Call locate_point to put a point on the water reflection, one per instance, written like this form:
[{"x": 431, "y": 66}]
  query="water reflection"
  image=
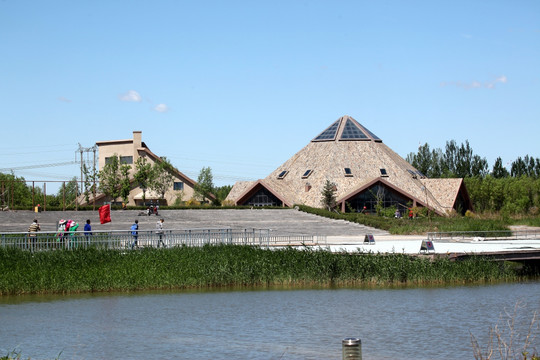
[{"x": 405, "y": 323}]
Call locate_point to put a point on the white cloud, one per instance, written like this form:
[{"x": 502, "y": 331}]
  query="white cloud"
[
  {"x": 161, "y": 108},
  {"x": 501, "y": 79},
  {"x": 131, "y": 96},
  {"x": 476, "y": 84},
  {"x": 63, "y": 99}
]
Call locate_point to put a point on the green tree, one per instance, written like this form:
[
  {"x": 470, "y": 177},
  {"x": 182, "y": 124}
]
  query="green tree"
[
  {"x": 125, "y": 182},
  {"x": 329, "y": 195},
  {"x": 13, "y": 190},
  {"x": 90, "y": 179},
  {"x": 423, "y": 160},
  {"x": 455, "y": 161},
  {"x": 68, "y": 192},
  {"x": 109, "y": 177},
  {"x": 143, "y": 175},
  {"x": 519, "y": 168},
  {"x": 205, "y": 184},
  {"x": 161, "y": 177},
  {"x": 499, "y": 171},
  {"x": 221, "y": 192}
]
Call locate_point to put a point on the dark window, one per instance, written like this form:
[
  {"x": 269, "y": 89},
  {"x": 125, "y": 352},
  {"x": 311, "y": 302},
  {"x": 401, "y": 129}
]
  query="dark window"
[
  {"x": 264, "y": 197},
  {"x": 178, "y": 185},
  {"x": 126, "y": 159},
  {"x": 348, "y": 172},
  {"x": 378, "y": 194},
  {"x": 282, "y": 174},
  {"x": 383, "y": 172},
  {"x": 306, "y": 174}
]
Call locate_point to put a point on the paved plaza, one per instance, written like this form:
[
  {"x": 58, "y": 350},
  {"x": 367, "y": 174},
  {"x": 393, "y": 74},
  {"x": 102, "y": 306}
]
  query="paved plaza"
[{"x": 340, "y": 235}]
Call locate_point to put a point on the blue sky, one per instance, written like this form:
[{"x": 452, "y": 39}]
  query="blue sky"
[{"x": 241, "y": 86}]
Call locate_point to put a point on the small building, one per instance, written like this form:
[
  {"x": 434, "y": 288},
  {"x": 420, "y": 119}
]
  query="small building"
[
  {"x": 129, "y": 151},
  {"x": 364, "y": 171}
]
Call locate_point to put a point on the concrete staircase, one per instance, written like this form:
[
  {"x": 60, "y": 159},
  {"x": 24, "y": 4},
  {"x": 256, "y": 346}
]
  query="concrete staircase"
[{"x": 280, "y": 221}]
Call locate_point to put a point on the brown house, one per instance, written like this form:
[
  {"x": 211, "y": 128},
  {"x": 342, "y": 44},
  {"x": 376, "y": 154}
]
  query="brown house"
[
  {"x": 364, "y": 171},
  {"x": 129, "y": 151}
]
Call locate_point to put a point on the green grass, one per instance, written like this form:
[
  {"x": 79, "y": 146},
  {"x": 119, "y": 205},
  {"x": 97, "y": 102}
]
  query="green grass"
[
  {"x": 89, "y": 270},
  {"x": 419, "y": 225}
]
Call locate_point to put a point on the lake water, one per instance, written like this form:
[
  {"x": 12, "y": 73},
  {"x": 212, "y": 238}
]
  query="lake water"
[{"x": 397, "y": 323}]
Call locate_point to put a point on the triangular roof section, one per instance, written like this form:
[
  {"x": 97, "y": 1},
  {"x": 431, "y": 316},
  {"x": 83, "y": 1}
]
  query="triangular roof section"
[
  {"x": 255, "y": 186},
  {"x": 346, "y": 129}
]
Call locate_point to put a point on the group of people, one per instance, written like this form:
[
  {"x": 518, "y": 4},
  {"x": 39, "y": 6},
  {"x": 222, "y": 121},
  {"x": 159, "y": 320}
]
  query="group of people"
[
  {"x": 153, "y": 210},
  {"x": 135, "y": 233},
  {"x": 66, "y": 230}
]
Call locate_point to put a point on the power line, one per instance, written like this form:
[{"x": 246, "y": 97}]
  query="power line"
[{"x": 39, "y": 166}]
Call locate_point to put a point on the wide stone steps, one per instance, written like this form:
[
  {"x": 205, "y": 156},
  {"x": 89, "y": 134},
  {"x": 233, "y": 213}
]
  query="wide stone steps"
[{"x": 280, "y": 221}]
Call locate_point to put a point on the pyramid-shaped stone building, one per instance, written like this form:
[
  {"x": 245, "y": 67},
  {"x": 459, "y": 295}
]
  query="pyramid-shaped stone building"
[{"x": 364, "y": 171}]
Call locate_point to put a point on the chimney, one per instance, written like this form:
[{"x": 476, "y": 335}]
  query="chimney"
[
  {"x": 137, "y": 139},
  {"x": 308, "y": 187},
  {"x": 137, "y": 143}
]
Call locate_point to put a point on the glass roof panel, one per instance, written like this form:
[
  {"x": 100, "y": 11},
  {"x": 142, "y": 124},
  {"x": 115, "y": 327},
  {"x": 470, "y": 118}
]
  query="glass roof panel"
[
  {"x": 373, "y": 136},
  {"x": 352, "y": 132},
  {"x": 329, "y": 133}
]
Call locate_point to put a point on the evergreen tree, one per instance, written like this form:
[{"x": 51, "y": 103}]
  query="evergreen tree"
[{"x": 329, "y": 195}]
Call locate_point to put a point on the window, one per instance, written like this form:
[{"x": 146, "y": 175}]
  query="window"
[
  {"x": 413, "y": 174},
  {"x": 178, "y": 185},
  {"x": 283, "y": 174},
  {"x": 384, "y": 173},
  {"x": 306, "y": 174},
  {"x": 348, "y": 172},
  {"x": 126, "y": 159}
]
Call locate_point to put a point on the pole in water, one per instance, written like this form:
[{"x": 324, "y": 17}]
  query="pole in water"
[{"x": 352, "y": 349}]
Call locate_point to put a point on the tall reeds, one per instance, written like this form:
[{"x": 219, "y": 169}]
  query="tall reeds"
[{"x": 88, "y": 270}]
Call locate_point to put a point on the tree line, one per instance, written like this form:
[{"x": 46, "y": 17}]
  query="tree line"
[
  {"x": 514, "y": 191},
  {"x": 115, "y": 180}
]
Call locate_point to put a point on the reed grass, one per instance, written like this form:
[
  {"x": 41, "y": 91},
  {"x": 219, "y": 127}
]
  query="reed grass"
[{"x": 91, "y": 270}]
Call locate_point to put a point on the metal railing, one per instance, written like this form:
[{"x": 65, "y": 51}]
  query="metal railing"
[
  {"x": 484, "y": 235},
  {"x": 125, "y": 239}
]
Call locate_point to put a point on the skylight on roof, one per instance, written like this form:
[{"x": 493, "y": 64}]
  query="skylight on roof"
[
  {"x": 413, "y": 174},
  {"x": 383, "y": 172},
  {"x": 283, "y": 174},
  {"x": 352, "y": 132},
  {"x": 329, "y": 133},
  {"x": 307, "y": 173},
  {"x": 348, "y": 172}
]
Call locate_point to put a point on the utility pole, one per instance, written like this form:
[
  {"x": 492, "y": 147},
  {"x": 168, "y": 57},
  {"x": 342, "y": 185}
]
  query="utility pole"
[{"x": 82, "y": 150}]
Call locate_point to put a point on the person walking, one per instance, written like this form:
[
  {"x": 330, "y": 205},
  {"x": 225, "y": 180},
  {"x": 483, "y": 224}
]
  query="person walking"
[
  {"x": 135, "y": 234},
  {"x": 159, "y": 231},
  {"x": 87, "y": 231},
  {"x": 32, "y": 233}
]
